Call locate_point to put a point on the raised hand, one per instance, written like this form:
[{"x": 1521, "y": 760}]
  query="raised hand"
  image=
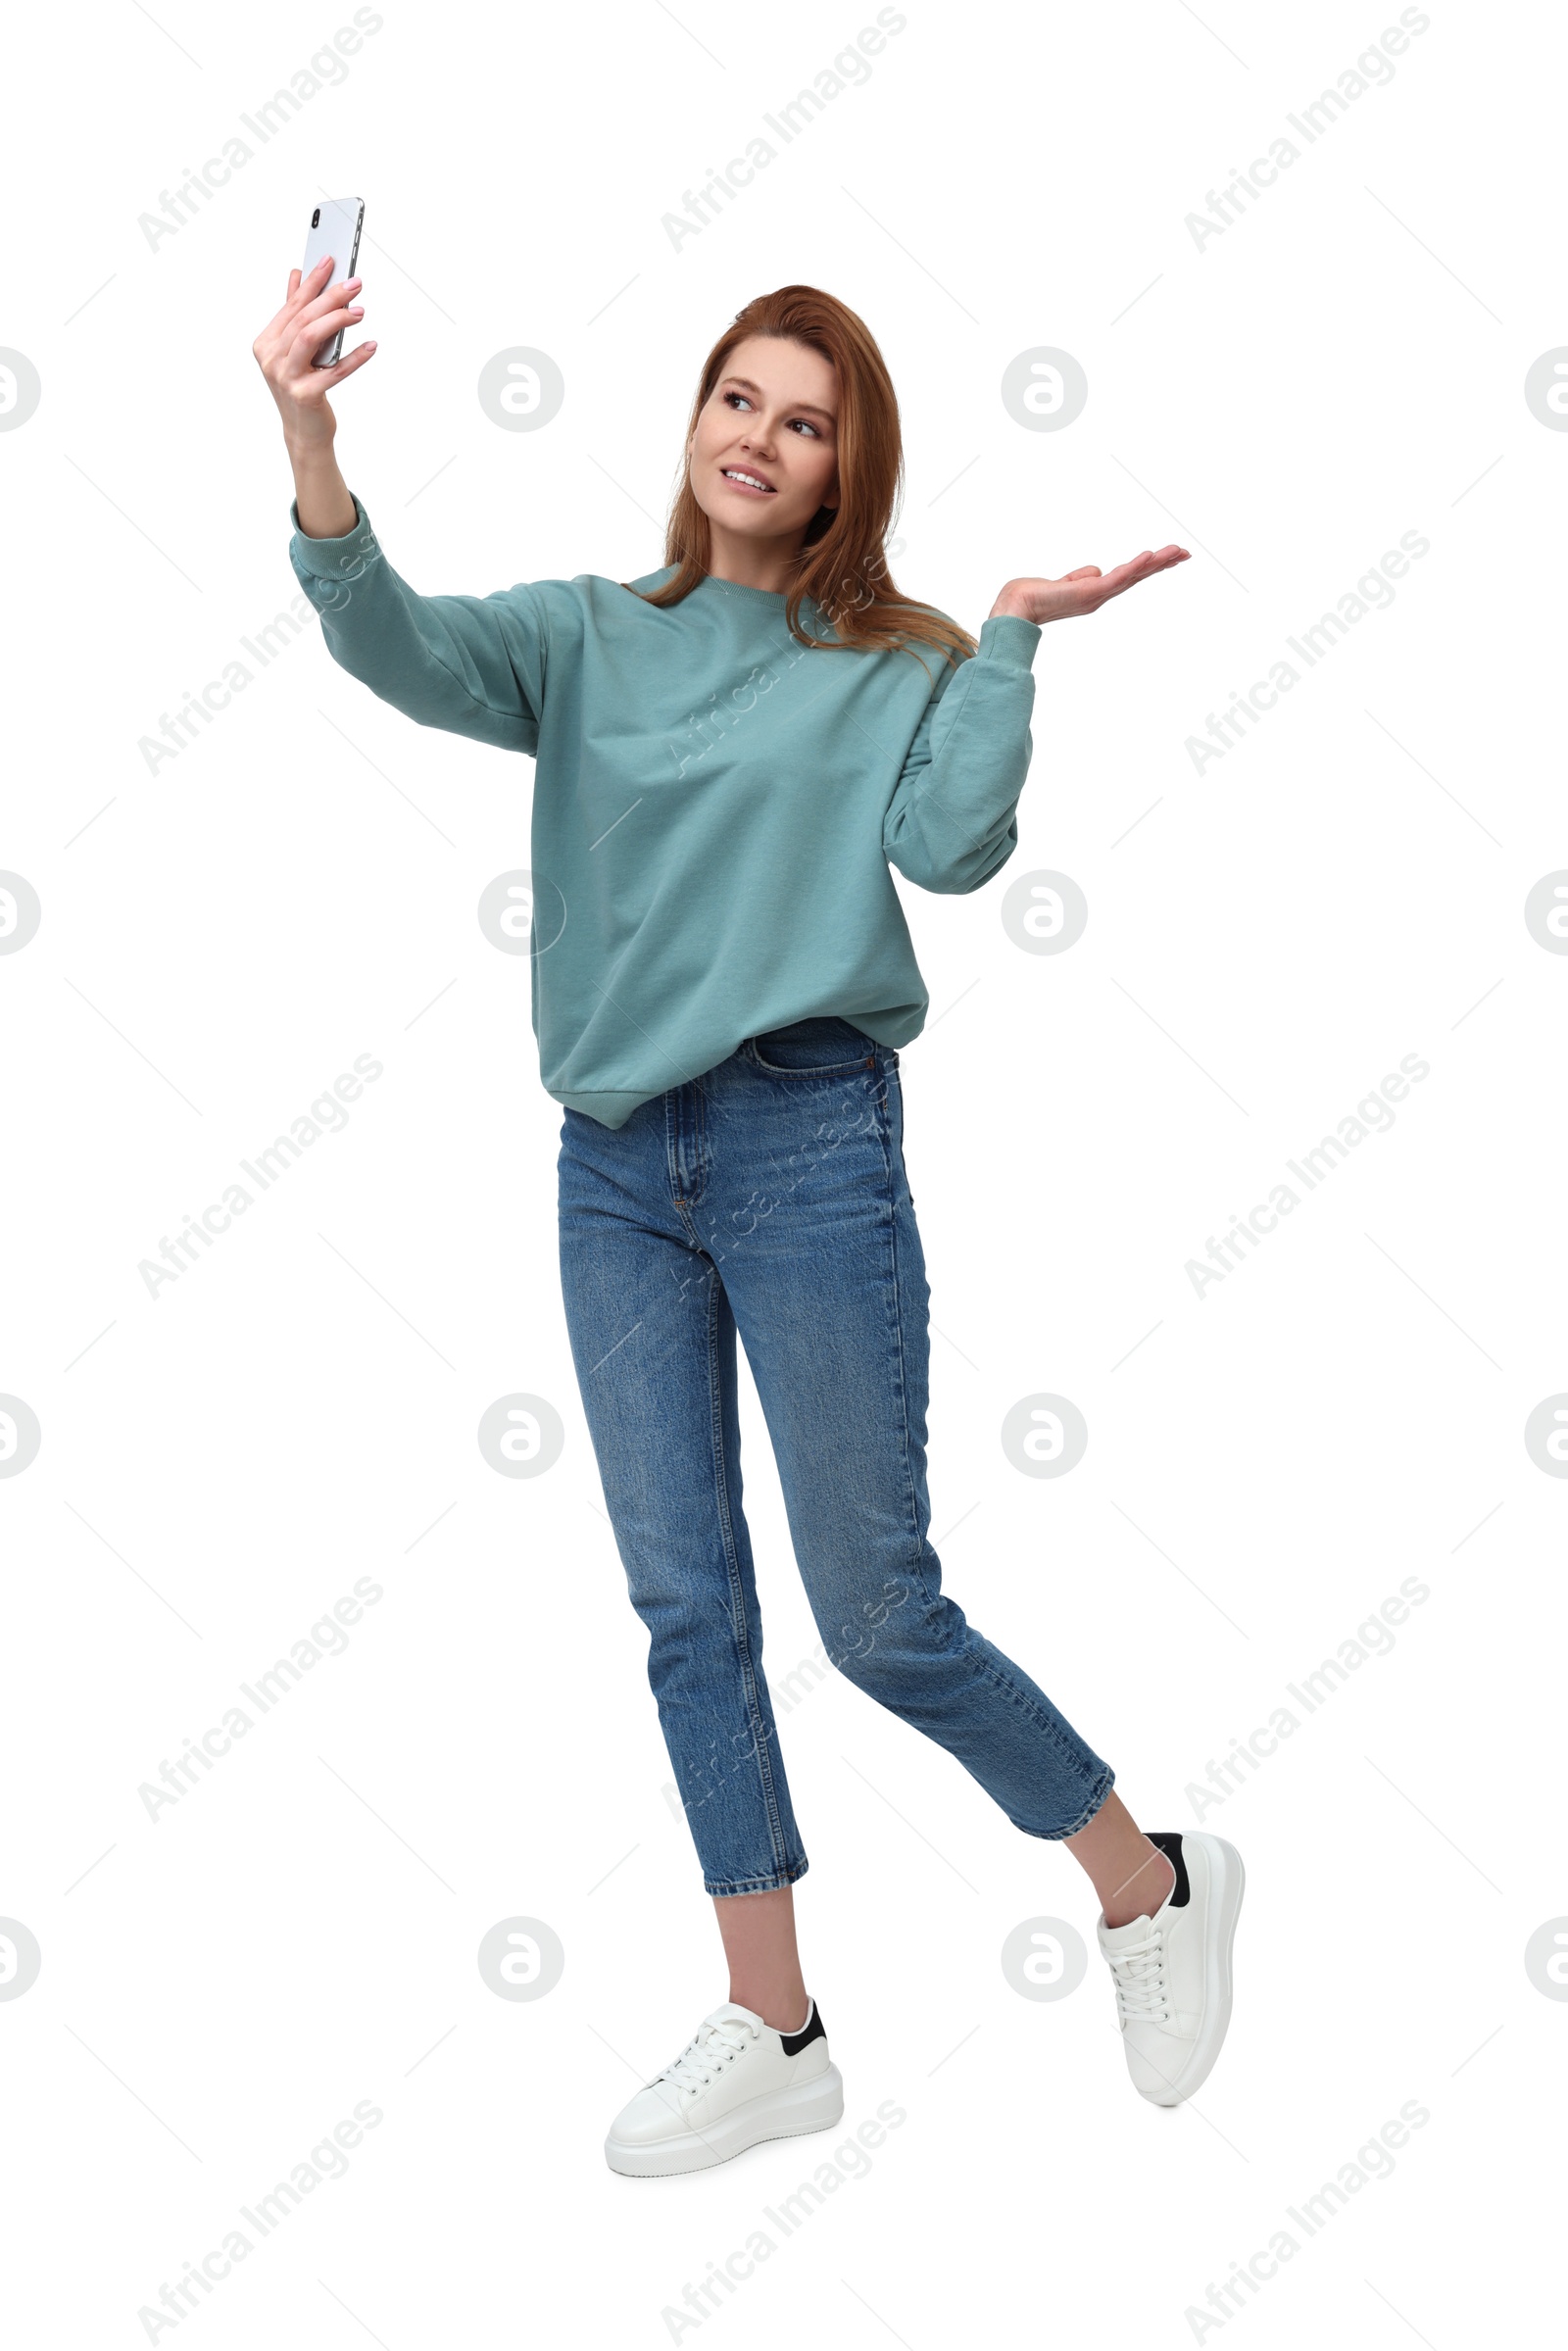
[
  {"x": 312, "y": 312},
  {"x": 1082, "y": 591}
]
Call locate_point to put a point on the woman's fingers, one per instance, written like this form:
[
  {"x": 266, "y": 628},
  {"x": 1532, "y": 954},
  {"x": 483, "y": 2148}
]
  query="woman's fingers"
[
  {"x": 296, "y": 304},
  {"x": 311, "y": 332},
  {"x": 347, "y": 364},
  {"x": 286, "y": 310},
  {"x": 329, "y": 298},
  {"x": 301, "y": 289},
  {"x": 1091, "y": 587},
  {"x": 1142, "y": 566},
  {"x": 312, "y": 312},
  {"x": 307, "y": 296}
]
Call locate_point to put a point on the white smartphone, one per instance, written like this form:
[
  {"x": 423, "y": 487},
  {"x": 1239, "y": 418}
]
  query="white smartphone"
[{"x": 335, "y": 229}]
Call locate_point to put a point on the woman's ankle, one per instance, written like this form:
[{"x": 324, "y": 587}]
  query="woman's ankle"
[
  {"x": 1142, "y": 1892},
  {"x": 782, "y": 2008}
]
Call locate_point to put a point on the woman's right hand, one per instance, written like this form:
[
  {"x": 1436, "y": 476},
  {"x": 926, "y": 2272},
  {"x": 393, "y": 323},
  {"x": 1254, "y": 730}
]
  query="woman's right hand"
[{"x": 312, "y": 312}]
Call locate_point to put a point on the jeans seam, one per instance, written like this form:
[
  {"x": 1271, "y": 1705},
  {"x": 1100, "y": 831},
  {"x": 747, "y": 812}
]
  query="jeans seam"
[
  {"x": 1002, "y": 1682},
  {"x": 1026, "y": 1707},
  {"x": 831, "y": 1069},
  {"x": 884, "y": 1133},
  {"x": 786, "y": 1875},
  {"x": 699, "y": 1141},
  {"x": 739, "y": 1631},
  {"x": 1103, "y": 1788}
]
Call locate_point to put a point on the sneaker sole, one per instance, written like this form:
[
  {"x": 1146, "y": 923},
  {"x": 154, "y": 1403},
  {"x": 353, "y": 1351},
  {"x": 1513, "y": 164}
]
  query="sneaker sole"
[
  {"x": 1227, "y": 1884},
  {"x": 805, "y": 2106}
]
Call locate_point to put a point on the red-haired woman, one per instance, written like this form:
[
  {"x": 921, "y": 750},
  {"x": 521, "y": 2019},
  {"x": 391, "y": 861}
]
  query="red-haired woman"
[{"x": 731, "y": 753}]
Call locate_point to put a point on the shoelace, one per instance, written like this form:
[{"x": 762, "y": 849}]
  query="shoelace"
[
  {"x": 703, "y": 2058},
  {"x": 1139, "y": 1970}
]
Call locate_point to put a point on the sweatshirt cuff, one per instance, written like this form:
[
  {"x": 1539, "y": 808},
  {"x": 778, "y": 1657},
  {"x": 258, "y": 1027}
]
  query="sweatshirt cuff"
[
  {"x": 1009, "y": 640},
  {"x": 329, "y": 558}
]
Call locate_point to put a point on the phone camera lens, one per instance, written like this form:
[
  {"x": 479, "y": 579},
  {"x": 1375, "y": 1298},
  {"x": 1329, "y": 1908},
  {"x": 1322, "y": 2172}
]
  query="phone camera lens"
[{"x": 316, "y": 217}]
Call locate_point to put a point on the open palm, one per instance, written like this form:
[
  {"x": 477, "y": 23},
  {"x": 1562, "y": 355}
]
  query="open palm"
[{"x": 1083, "y": 590}]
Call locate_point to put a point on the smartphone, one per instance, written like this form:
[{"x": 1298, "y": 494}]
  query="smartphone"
[{"x": 335, "y": 229}]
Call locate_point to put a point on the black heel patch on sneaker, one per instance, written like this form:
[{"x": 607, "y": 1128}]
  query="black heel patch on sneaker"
[
  {"x": 810, "y": 2031},
  {"x": 1169, "y": 1841}
]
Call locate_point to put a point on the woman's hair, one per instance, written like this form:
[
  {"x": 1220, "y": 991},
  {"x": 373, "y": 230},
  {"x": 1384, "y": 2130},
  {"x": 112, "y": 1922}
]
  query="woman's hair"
[{"x": 842, "y": 567}]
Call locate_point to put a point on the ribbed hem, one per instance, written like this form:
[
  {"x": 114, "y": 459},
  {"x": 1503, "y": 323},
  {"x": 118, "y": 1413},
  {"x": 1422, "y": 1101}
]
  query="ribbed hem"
[
  {"x": 1009, "y": 640},
  {"x": 324, "y": 559}
]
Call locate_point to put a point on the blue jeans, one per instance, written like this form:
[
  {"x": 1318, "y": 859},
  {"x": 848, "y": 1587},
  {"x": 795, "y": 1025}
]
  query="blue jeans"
[{"x": 769, "y": 1195}]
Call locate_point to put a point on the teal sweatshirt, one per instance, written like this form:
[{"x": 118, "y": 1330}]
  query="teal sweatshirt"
[{"x": 716, "y": 805}]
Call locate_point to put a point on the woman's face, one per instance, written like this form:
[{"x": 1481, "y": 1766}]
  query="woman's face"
[{"x": 772, "y": 416}]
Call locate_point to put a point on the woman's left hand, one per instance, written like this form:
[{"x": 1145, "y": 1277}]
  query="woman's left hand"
[{"x": 1081, "y": 591}]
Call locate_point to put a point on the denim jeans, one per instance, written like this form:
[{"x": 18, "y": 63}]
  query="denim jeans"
[{"x": 768, "y": 1197}]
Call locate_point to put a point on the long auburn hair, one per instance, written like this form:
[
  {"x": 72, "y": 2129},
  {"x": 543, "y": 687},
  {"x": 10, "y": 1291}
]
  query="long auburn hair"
[{"x": 840, "y": 566}]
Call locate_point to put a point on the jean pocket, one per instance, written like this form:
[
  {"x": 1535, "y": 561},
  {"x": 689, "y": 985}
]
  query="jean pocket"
[{"x": 823, "y": 1046}]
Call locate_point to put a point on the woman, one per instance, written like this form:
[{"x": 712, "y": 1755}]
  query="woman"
[{"x": 731, "y": 750}]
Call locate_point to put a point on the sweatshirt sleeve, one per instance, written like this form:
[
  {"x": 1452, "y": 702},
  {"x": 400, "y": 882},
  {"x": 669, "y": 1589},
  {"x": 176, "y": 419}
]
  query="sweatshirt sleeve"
[
  {"x": 473, "y": 665},
  {"x": 951, "y": 823}
]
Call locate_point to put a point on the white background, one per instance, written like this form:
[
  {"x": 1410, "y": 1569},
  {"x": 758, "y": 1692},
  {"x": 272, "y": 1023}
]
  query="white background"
[{"x": 1265, "y": 940}]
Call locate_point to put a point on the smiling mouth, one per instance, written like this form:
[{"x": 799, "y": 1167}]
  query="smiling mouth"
[{"x": 754, "y": 483}]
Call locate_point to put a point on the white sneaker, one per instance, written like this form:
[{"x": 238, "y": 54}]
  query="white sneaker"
[
  {"x": 737, "y": 2082},
  {"x": 1174, "y": 1971}
]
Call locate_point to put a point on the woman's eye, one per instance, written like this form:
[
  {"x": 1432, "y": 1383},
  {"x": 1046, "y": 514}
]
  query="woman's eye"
[{"x": 806, "y": 420}]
